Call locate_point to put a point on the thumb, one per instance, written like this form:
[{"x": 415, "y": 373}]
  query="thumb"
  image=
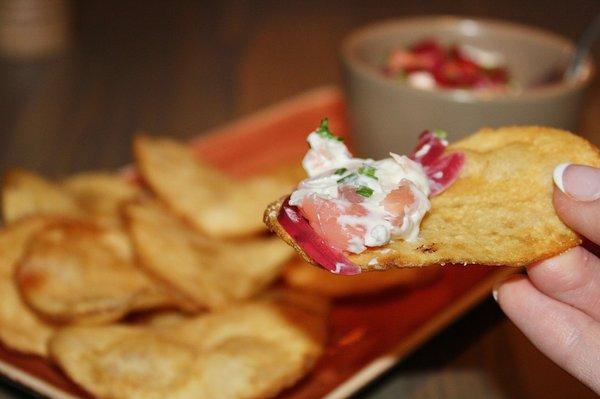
[{"x": 577, "y": 199}]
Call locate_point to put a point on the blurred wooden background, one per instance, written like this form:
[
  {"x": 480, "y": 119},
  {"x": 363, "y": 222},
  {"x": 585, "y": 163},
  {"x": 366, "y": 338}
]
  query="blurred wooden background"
[{"x": 181, "y": 67}]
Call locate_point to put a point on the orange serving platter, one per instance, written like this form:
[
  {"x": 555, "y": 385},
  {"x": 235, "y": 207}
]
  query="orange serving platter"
[{"x": 367, "y": 335}]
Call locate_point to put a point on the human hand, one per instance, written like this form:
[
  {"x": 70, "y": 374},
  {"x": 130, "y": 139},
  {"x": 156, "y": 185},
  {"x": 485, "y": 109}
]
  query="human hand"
[{"x": 557, "y": 305}]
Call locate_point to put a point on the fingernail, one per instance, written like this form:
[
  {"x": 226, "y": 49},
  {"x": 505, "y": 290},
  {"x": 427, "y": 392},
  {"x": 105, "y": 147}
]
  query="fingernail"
[
  {"x": 497, "y": 285},
  {"x": 582, "y": 183}
]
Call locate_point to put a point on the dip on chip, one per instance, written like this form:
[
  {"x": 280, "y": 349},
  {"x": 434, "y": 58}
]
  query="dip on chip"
[
  {"x": 497, "y": 211},
  {"x": 253, "y": 350}
]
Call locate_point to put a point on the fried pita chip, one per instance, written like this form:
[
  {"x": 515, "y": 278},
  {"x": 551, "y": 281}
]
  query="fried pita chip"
[
  {"x": 73, "y": 272},
  {"x": 25, "y": 193},
  {"x": 160, "y": 318},
  {"x": 211, "y": 272},
  {"x": 91, "y": 196},
  {"x": 210, "y": 200},
  {"x": 301, "y": 275},
  {"x": 20, "y": 328},
  {"x": 101, "y": 194},
  {"x": 498, "y": 212},
  {"x": 250, "y": 351}
]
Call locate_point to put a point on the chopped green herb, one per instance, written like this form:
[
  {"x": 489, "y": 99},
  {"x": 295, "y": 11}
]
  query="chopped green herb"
[
  {"x": 364, "y": 191},
  {"x": 346, "y": 178},
  {"x": 323, "y": 131},
  {"x": 368, "y": 170},
  {"x": 341, "y": 171},
  {"x": 440, "y": 134}
]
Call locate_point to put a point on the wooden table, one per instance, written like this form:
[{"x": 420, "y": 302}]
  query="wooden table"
[{"x": 181, "y": 67}]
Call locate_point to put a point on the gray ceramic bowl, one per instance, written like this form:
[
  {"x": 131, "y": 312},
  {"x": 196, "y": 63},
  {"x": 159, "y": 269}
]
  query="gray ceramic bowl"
[{"x": 388, "y": 115}]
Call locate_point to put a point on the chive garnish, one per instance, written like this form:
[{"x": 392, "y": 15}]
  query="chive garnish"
[
  {"x": 368, "y": 170},
  {"x": 346, "y": 178},
  {"x": 323, "y": 131},
  {"x": 340, "y": 171},
  {"x": 364, "y": 191},
  {"x": 440, "y": 134}
]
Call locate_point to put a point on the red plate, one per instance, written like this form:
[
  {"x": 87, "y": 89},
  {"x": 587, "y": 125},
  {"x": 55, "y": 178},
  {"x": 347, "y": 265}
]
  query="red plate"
[{"x": 367, "y": 335}]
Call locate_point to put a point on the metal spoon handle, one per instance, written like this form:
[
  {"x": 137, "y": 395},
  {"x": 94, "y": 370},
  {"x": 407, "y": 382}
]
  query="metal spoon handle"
[{"x": 583, "y": 48}]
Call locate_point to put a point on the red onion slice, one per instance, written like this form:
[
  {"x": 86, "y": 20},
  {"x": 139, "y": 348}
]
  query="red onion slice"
[
  {"x": 444, "y": 171},
  {"x": 441, "y": 170},
  {"x": 314, "y": 245},
  {"x": 428, "y": 149}
]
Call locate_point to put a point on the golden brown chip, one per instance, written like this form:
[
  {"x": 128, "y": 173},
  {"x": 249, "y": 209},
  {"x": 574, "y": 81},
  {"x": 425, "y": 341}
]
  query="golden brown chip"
[
  {"x": 301, "y": 275},
  {"x": 91, "y": 196},
  {"x": 498, "y": 212},
  {"x": 210, "y": 200},
  {"x": 211, "y": 272},
  {"x": 20, "y": 328},
  {"x": 73, "y": 272},
  {"x": 159, "y": 318},
  {"x": 100, "y": 195},
  {"x": 250, "y": 351},
  {"x": 25, "y": 193}
]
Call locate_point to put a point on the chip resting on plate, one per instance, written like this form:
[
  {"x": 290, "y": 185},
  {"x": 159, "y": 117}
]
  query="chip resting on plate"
[
  {"x": 211, "y": 201},
  {"x": 26, "y": 193},
  {"x": 92, "y": 196},
  {"x": 20, "y": 328},
  {"x": 211, "y": 272},
  {"x": 497, "y": 210},
  {"x": 77, "y": 272},
  {"x": 253, "y": 350},
  {"x": 100, "y": 195}
]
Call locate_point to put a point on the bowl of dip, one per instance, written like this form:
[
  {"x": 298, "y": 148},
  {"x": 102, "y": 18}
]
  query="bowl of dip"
[{"x": 457, "y": 74}]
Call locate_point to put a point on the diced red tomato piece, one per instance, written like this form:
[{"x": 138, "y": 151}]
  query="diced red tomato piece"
[
  {"x": 450, "y": 67},
  {"x": 457, "y": 73}
]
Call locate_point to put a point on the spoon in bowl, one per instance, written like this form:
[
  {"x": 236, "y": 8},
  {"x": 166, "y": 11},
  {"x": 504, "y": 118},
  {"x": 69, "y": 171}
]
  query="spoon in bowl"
[{"x": 577, "y": 62}]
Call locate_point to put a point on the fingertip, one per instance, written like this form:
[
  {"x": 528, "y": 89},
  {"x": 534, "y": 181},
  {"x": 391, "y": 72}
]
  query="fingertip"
[
  {"x": 562, "y": 273},
  {"x": 560, "y": 200},
  {"x": 558, "y": 263},
  {"x": 572, "y": 277},
  {"x": 580, "y": 182},
  {"x": 564, "y": 205},
  {"x": 578, "y": 215},
  {"x": 505, "y": 291}
]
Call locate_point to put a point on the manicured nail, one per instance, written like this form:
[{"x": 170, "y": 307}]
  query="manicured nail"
[
  {"x": 582, "y": 183},
  {"x": 495, "y": 292}
]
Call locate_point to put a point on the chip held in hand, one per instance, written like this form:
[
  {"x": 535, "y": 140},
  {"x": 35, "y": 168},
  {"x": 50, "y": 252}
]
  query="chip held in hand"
[{"x": 488, "y": 201}]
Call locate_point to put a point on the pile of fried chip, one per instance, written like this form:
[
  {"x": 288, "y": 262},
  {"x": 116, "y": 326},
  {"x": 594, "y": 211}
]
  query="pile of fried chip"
[{"x": 166, "y": 284}]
